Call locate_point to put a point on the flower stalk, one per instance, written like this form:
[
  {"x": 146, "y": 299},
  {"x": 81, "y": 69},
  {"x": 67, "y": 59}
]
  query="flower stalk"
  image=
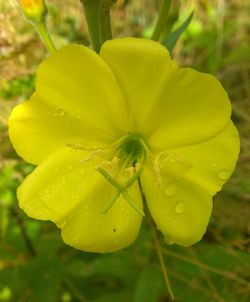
[
  {"x": 157, "y": 245},
  {"x": 97, "y": 14},
  {"x": 161, "y": 260},
  {"x": 35, "y": 12},
  {"x": 106, "y": 32},
  {"x": 45, "y": 36}
]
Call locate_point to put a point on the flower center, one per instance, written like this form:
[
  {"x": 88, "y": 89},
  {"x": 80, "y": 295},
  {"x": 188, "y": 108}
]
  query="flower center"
[
  {"x": 131, "y": 149},
  {"x": 124, "y": 168}
]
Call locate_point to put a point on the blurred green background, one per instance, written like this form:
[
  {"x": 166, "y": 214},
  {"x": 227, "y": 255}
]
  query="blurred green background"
[{"x": 35, "y": 265}]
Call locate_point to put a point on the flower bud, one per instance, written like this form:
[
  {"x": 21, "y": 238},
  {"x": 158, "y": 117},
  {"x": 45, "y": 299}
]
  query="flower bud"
[{"x": 34, "y": 10}]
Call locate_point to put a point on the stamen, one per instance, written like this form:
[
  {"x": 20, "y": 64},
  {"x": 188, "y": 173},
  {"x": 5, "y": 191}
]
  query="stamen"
[
  {"x": 124, "y": 168},
  {"x": 80, "y": 147},
  {"x": 133, "y": 178},
  {"x": 90, "y": 156},
  {"x": 157, "y": 169}
]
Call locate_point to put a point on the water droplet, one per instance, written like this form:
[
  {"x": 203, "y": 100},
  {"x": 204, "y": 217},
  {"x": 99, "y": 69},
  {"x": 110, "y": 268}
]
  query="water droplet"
[
  {"x": 179, "y": 208},
  {"x": 223, "y": 174},
  {"x": 46, "y": 194},
  {"x": 70, "y": 167},
  {"x": 170, "y": 190},
  {"x": 86, "y": 207},
  {"x": 168, "y": 241},
  {"x": 59, "y": 112}
]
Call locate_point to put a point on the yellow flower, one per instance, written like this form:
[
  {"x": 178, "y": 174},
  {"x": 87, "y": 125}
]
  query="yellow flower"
[
  {"x": 34, "y": 9},
  {"x": 97, "y": 123}
]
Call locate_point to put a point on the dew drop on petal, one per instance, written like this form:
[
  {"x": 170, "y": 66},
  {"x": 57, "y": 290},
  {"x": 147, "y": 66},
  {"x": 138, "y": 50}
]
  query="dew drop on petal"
[
  {"x": 46, "y": 194},
  {"x": 59, "y": 112},
  {"x": 179, "y": 208},
  {"x": 168, "y": 241},
  {"x": 223, "y": 174},
  {"x": 170, "y": 189}
]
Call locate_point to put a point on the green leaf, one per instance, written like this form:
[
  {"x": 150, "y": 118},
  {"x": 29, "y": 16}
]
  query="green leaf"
[
  {"x": 225, "y": 268},
  {"x": 4, "y": 220},
  {"x": 149, "y": 285},
  {"x": 122, "y": 296},
  {"x": 173, "y": 37}
]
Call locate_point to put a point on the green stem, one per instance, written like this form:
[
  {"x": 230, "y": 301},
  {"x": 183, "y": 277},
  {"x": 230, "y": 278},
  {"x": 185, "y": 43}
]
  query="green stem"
[
  {"x": 74, "y": 290},
  {"x": 162, "y": 19},
  {"x": 157, "y": 245},
  {"x": 20, "y": 223},
  {"x": 161, "y": 259},
  {"x": 97, "y": 14},
  {"x": 106, "y": 25},
  {"x": 43, "y": 32},
  {"x": 92, "y": 10}
]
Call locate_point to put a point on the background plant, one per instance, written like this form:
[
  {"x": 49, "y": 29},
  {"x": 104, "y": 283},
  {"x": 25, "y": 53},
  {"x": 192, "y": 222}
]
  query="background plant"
[{"x": 34, "y": 263}]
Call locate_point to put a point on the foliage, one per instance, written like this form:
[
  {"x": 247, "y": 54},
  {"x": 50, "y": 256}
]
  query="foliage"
[{"x": 35, "y": 265}]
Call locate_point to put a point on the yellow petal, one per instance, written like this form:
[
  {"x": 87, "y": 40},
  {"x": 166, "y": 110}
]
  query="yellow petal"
[
  {"x": 140, "y": 67},
  {"x": 172, "y": 106},
  {"x": 182, "y": 218},
  {"x": 88, "y": 229},
  {"x": 67, "y": 189},
  {"x": 77, "y": 100},
  {"x": 179, "y": 189},
  {"x": 210, "y": 163},
  {"x": 37, "y": 129}
]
